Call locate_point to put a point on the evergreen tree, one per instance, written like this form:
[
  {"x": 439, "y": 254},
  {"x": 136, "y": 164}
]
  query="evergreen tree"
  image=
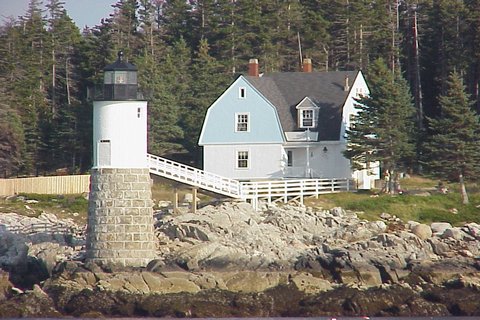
[
  {"x": 59, "y": 131},
  {"x": 207, "y": 84},
  {"x": 248, "y": 32},
  {"x": 383, "y": 128},
  {"x": 314, "y": 36},
  {"x": 30, "y": 90},
  {"x": 176, "y": 21},
  {"x": 146, "y": 20},
  {"x": 47, "y": 67},
  {"x": 11, "y": 141},
  {"x": 11, "y": 134},
  {"x": 207, "y": 18},
  {"x": 443, "y": 50},
  {"x": 453, "y": 149},
  {"x": 164, "y": 83},
  {"x": 383, "y": 36},
  {"x": 64, "y": 38},
  {"x": 124, "y": 27},
  {"x": 284, "y": 30},
  {"x": 472, "y": 42}
]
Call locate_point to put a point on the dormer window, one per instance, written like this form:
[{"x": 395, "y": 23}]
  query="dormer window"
[
  {"x": 307, "y": 114},
  {"x": 307, "y": 117}
]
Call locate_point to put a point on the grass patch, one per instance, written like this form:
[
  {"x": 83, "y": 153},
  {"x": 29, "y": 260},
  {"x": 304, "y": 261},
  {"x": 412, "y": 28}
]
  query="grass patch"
[
  {"x": 418, "y": 182},
  {"x": 418, "y": 206},
  {"x": 368, "y": 204},
  {"x": 63, "y": 206}
]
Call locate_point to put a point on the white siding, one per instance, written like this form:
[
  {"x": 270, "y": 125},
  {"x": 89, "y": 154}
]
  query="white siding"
[
  {"x": 358, "y": 88},
  {"x": 120, "y": 134},
  {"x": 265, "y": 161},
  {"x": 331, "y": 163}
]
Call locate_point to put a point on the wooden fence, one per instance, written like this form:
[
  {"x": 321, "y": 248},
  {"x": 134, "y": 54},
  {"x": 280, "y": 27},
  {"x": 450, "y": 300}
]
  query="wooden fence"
[{"x": 45, "y": 185}]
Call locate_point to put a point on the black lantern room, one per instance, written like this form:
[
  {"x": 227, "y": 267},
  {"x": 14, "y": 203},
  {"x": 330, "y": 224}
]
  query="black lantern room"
[{"x": 120, "y": 80}]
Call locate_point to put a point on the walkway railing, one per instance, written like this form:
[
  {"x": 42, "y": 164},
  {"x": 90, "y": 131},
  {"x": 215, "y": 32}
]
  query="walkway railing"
[
  {"x": 193, "y": 176},
  {"x": 271, "y": 190}
]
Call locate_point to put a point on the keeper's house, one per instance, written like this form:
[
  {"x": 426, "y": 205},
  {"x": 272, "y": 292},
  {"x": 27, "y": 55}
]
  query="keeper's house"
[{"x": 284, "y": 125}]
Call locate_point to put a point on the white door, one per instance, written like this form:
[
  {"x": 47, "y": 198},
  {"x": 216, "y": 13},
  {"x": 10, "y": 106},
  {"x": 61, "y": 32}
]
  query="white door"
[{"x": 104, "y": 153}]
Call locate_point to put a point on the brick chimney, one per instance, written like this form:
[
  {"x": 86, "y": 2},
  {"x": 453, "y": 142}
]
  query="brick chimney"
[
  {"x": 307, "y": 65},
  {"x": 253, "y": 68}
]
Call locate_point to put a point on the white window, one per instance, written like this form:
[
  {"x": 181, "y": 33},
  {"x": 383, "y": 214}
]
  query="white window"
[
  {"x": 242, "y": 92},
  {"x": 359, "y": 92},
  {"x": 351, "y": 120},
  {"x": 307, "y": 118},
  {"x": 242, "y": 159},
  {"x": 242, "y": 122}
]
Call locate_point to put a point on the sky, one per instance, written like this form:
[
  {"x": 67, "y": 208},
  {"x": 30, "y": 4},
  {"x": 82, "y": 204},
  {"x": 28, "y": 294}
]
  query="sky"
[{"x": 83, "y": 12}]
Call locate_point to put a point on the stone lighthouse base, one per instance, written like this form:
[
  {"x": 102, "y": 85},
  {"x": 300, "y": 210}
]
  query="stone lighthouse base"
[{"x": 120, "y": 227}]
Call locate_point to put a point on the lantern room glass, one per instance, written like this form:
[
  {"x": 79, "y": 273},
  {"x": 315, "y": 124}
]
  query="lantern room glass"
[{"x": 120, "y": 77}]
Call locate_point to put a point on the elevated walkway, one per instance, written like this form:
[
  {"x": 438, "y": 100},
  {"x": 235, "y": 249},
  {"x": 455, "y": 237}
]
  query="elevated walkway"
[
  {"x": 194, "y": 177},
  {"x": 271, "y": 191}
]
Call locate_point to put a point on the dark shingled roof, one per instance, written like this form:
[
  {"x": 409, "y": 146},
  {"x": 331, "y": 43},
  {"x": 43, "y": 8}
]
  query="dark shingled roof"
[{"x": 326, "y": 89}]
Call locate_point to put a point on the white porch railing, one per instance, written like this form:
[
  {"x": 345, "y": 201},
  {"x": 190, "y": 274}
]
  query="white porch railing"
[
  {"x": 193, "y": 176},
  {"x": 285, "y": 190},
  {"x": 271, "y": 190}
]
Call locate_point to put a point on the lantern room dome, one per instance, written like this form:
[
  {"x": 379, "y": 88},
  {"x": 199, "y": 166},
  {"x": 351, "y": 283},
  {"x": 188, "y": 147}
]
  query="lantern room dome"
[{"x": 120, "y": 64}]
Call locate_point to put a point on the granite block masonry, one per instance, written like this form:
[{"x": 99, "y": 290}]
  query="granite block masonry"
[{"x": 120, "y": 227}]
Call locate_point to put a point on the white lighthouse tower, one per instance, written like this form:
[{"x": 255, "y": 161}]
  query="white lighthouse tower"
[
  {"x": 120, "y": 120},
  {"x": 120, "y": 218}
]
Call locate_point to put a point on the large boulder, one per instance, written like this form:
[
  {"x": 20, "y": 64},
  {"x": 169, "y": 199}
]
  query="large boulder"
[
  {"x": 5, "y": 286},
  {"x": 34, "y": 303},
  {"x": 13, "y": 250},
  {"x": 440, "y": 227},
  {"x": 453, "y": 233},
  {"x": 422, "y": 231}
]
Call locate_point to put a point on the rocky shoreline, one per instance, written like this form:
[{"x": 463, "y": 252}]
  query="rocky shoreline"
[{"x": 228, "y": 260}]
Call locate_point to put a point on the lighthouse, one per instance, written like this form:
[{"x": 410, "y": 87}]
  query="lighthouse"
[{"x": 120, "y": 227}]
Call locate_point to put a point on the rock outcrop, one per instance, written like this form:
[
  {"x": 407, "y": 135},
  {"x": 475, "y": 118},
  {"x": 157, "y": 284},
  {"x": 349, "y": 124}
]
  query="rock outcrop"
[
  {"x": 229, "y": 260},
  {"x": 335, "y": 244}
]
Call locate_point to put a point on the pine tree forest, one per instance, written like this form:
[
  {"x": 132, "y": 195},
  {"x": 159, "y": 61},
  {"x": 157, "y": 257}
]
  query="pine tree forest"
[{"x": 188, "y": 51}]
